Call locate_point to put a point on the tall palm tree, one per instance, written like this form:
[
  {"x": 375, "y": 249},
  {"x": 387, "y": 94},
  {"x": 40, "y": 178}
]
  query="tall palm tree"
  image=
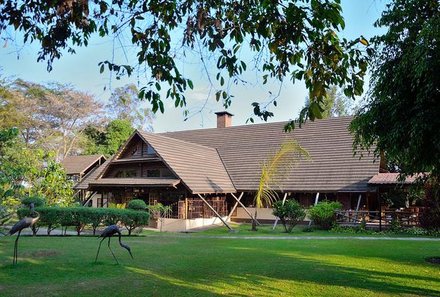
[{"x": 273, "y": 171}]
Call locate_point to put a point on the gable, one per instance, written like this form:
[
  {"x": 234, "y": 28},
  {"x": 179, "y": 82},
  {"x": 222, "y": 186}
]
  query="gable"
[
  {"x": 136, "y": 148},
  {"x": 200, "y": 168}
]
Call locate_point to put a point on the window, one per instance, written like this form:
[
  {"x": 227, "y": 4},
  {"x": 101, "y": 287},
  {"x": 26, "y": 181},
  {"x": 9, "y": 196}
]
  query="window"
[
  {"x": 166, "y": 173},
  {"x": 153, "y": 173},
  {"x": 126, "y": 173},
  {"x": 150, "y": 150}
]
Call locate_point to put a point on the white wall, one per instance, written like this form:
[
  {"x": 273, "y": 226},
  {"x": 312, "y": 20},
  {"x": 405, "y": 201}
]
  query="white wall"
[
  {"x": 262, "y": 213},
  {"x": 182, "y": 225}
]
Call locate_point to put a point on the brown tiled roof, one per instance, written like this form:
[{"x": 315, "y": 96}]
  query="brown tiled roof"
[
  {"x": 139, "y": 182},
  {"x": 79, "y": 164},
  {"x": 243, "y": 149},
  {"x": 91, "y": 176},
  {"x": 390, "y": 179},
  {"x": 199, "y": 167}
]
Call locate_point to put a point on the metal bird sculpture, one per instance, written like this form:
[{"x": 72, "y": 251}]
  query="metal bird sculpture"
[
  {"x": 26, "y": 222},
  {"x": 108, "y": 233}
]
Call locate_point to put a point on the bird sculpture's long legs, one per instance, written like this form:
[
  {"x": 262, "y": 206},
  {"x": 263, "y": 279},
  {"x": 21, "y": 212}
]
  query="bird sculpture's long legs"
[
  {"x": 14, "y": 261},
  {"x": 97, "y": 253},
  {"x": 112, "y": 251}
]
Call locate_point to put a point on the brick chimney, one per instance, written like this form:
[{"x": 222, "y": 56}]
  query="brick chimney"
[{"x": 224, "y": 119}]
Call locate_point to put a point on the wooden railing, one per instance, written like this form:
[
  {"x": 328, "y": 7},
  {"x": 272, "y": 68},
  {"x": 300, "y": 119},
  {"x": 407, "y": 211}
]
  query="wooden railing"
[{"x": 386, "y": 218}]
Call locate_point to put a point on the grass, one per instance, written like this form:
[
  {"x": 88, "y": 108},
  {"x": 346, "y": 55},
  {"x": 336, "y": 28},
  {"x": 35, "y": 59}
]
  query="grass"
[{"x": 194, "y": 266}]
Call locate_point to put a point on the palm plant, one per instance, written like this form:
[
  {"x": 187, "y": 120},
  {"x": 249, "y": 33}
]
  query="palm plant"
[{"x": 273, "y": 171}]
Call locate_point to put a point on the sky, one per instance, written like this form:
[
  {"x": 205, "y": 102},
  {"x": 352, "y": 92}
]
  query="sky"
[{"x": 82, "y": 71}]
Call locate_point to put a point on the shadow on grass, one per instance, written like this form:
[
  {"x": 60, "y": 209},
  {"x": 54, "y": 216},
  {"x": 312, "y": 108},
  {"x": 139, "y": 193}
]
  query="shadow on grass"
[
  {"x": 286, "y": 273},
  {"x": 215, "y": 267}
]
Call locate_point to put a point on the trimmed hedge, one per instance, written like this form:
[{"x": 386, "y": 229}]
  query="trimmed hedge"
[
  {"x": 36, "y": 200},
  {"x": 79, "y": 217},
  {"x": 137, "y": 204}
]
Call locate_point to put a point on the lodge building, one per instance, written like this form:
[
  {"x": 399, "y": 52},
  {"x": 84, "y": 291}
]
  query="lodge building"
[{"x": 202, "y": 173}]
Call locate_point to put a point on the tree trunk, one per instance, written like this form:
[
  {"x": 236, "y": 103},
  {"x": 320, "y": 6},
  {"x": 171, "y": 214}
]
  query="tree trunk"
[{"x": 254, "y": 221}]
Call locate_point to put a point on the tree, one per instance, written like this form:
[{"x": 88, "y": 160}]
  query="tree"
[
  {"x": 8, "y": 180},
  {"x": 51, "y": 116},
  {"x": 124, "y": 104},
  {"x": 334, "y": 104},
  {"x": 273, "y": 170},
  {"x": 54, "y": 185},
  {"x": 295, "y": 39},
  {"x": 401, "y": 118},
  {"x": 17, "y": 111},
  {"x": 27, "y": 171},
  {"x": 108, "y": 141}
]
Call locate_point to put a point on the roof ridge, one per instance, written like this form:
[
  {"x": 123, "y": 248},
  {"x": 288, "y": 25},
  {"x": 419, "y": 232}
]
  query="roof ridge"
[
  {"x": 177, "y": 140},
  {"x": 255, "y": 124}
]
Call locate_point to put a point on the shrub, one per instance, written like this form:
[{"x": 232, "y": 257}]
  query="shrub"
[
  {"x": 323, "y": 214},
  {"x": 117, "y": 205},
  {"x": 133, "y": 219},
  {"x": 50, "y": 217},
  {"x": 113, "y": 216},
  {"x": 137, "y": 204},
  {"x": 36, "y": 200},
  {"x": 95, "y": 217},
  {"x": 290, "y": 213},
  {"x": 430, "y": 218}
]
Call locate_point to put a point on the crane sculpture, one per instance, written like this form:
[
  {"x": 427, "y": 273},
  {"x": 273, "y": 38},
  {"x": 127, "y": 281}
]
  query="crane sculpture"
[
  {"x": 26, "y": 222},
  {"x": 109, "y": 232}
]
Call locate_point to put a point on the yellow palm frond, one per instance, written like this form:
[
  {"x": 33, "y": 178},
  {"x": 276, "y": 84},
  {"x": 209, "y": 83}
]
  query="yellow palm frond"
[{"x": 274, "y": 170}]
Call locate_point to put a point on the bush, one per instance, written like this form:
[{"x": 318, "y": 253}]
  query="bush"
[
  {"x": 95, "y": 217},
  {"x": 323, "y": 214},
  {"x": 133, "y": 219},
  {"x": 290, "y": 213},
  {"x": 137, "y": 204},
  {"x": 113, "y": 215},
  {"x": 430, "y": 218},
  {"x": 36, "y": 200},
  {"x": 50, "y": 217}
]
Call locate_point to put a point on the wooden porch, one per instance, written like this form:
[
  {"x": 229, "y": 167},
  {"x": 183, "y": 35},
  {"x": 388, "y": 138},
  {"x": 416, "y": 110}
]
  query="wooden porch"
[{"x": 376, "y": 219}]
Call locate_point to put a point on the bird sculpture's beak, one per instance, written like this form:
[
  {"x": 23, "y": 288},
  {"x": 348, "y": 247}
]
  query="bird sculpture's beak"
[{"x": 131, "y": 254}]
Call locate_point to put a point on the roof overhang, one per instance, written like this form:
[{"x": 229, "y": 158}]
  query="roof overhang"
[
  {"x": 87, "y": 160},
  {"x": 393, "y": 179},
  {"x": 135, "y": 182}
]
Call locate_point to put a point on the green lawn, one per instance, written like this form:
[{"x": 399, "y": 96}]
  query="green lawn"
[{"x": 192, "y": 266}]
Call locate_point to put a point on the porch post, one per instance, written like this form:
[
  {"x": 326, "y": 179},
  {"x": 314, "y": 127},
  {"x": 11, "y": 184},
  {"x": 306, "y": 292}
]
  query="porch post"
[
  {"x": 380, "y": 211},
  {"x": 235, "y": 206},
  {"x": 357, "y": 207},
  {"x": 316, "y": 202},
  {"x": 276, "y": 220},
  {"x": 213, "y": 210},
  {"x": 186, "y": 208},
  {"x": 245, "y": 209}
]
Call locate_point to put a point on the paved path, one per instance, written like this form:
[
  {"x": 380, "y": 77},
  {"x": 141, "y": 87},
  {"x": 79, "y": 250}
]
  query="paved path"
[{"x": 299, "y": 237}]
